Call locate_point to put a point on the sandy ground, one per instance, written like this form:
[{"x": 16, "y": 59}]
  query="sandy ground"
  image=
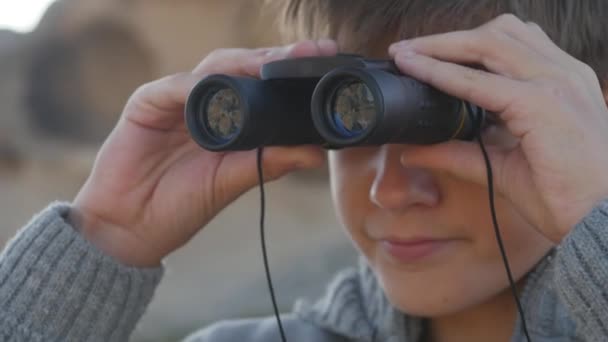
[{"x": 219, "y": 274}]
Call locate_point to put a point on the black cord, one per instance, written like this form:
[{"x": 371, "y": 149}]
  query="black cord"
[
  {"x": 494, "y": 221},
  {"x": 263, "y": 239},
  {"x": 497, "y": 230}
]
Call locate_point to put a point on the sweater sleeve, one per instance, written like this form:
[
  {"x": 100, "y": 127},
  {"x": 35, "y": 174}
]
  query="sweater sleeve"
[
  {"x": 581, "y": 273},
  {"x": 56, "y": 286}
]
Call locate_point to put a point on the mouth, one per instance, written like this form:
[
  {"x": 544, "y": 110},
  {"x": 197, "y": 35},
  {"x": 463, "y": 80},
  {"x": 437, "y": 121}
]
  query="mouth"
[{"x": 415, "y": 249}]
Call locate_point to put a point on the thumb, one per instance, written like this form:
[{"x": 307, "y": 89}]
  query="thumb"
[
  {"x": 241, "y": 172},
  {"x": 279, "y": 161},
  {"x": 461, "y": 159}
]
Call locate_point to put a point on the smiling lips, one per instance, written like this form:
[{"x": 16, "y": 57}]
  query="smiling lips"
[{"x": 413, "y": 250}]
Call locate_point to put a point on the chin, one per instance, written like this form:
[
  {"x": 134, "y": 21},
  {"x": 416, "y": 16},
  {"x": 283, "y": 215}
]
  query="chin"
[
  {"x": 428, "y": 305},
  {"x": 428, "y": 294}
]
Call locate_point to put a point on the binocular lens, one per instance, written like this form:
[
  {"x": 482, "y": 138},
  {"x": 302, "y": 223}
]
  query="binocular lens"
[
  {"x": 352, "y": 109},
  {"x": 367, "y": 105},
  {"x": 222, "y": 115}
]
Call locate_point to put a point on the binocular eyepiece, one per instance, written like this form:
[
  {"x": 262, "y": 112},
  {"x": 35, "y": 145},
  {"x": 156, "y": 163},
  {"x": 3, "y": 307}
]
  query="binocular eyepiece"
[{"x": 334, "y": 102}]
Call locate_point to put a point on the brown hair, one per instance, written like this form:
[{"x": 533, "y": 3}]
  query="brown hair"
[{"x": 361, "y": 26}]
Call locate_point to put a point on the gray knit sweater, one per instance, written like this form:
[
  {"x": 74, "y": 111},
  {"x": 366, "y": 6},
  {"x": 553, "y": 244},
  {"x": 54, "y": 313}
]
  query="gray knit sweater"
[{"x": 56, "y": 286}]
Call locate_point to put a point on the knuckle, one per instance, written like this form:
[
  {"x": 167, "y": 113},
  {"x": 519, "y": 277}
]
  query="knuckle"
[
  {"x": 587, "y": 71},
  {"x": 269, "y": 54},
  {"x": 137, "y": 95},
  {"x": 534, "y": 26},
  {"x": 510, "y": 25},
  {"x": 556, "y": 89},
  {"x": 572, "y": 80},
  {"x": 216, "y": 54},
  {"x": 142, "y": 89},
  {"x": 479, "y": 44},
  {"x": 507, "y": 20},
  {"x": 434, "y": 72},
  {"x": 161, "y": 83},
  {"x": 491, "y": 38},
  {"x": 488, "y": 36},
  {"x": 487, "y": 44},
  {"x": 473, "y": 75},
  {"x": 173, "y": 78},
  {"x": 235, "y": 59},
  {"x": 211, "y": 59}
]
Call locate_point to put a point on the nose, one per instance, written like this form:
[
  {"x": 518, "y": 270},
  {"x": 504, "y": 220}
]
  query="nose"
[{"x": 397, "y": 187}]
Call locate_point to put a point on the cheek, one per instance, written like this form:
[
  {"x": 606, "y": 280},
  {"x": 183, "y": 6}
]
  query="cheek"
[
  {"x": 350, "y": 180},
  {"x": 475, "y": 273},
  {"x": 524, "y": 245}
]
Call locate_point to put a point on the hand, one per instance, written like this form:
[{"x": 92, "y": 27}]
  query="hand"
[
  {"x": 152, "y": 188},
  {"x": 551, "y": 102}
]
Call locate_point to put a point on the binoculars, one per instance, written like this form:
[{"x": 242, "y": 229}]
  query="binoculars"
[{"x": 336, "y": 102}]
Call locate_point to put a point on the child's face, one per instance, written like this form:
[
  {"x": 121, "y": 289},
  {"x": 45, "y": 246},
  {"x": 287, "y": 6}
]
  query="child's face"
[{"x": 384, "y": 203}]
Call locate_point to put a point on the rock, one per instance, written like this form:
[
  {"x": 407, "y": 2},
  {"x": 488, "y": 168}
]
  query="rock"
[
  {"x": 8, "y": 39},
  {"x": 86, "y": 57}
]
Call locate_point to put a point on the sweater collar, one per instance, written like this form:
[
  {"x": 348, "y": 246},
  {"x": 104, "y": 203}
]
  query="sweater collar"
[
  {"x": 356, "y": 307},
  {"x": 547, "y": 319}
]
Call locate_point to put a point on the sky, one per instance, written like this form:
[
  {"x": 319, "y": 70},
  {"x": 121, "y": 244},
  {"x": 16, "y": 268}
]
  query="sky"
[{"x": 21, "y": 15}]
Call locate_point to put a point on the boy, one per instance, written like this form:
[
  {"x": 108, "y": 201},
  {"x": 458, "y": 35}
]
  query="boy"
[{"x": 418, "y": 214}]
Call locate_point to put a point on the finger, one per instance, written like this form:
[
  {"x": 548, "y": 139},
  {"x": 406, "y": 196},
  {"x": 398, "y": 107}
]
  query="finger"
[
  {"x": 487, "y": 90},
  {"x": 494, "y": 49},
  {"x": 165, "y": 98},
  {"x": 159, "y": 104},
  {"x": 327, "y": 47},
  {"x": 312, "y": 48},
  {"x": 279, "y": 161},
  {"x": 530, "y": 34},
  {"x": 534, "y": 37},
  {"x": 247, "y": 62},
  {"x": 240, "y": 168},
  {"x": 241, "y": 62},
  {"x": 460, "y": 159},
  {"x": 511, "y": 175}
]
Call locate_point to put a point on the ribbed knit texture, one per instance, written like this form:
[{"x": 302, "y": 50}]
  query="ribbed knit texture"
[
  {"x": 56, "y": 286},
  {"x": 565, "y": 297},
  {"x": 356, "y": 307},
  {"x": 581, "y": 274}
]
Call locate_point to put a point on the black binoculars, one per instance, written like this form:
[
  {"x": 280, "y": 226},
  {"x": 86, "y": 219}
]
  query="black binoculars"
[{"x": 335, "y": 102}]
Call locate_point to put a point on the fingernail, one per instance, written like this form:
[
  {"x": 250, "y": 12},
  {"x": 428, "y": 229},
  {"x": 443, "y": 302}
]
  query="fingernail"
[
  {"x": 278, "y": 52},
  {"x": 327, "y": 46},
  {"x": 325, "y": 42},
  {"x": 405, "y": 54},
  {"x": 285, "y": 50},
  {"x": 270, "y": 52},
  {"x": 397, "y": 46}
]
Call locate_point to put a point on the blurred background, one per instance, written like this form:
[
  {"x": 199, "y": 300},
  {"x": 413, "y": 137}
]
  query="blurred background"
[{"x": 66, "y": 69}]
